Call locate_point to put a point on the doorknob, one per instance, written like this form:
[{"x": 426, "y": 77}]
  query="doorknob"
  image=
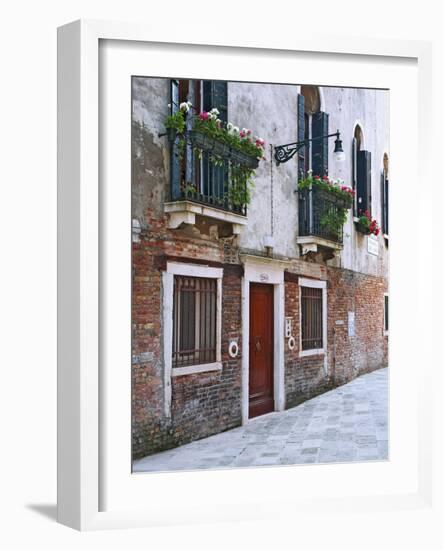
[{"x": 257, "y": 344}]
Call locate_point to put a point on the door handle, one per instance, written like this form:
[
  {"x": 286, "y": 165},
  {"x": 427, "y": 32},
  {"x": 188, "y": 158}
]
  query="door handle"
[{"x": 257, "y": 344}]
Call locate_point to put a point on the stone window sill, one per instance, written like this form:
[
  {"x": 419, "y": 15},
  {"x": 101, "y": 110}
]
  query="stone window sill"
[
  {"x": 308, "y": 352},
  {"x": 195, "y": 369}
]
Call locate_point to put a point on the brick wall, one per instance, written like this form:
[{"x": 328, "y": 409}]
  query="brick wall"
[
  {"x": 348, "y": 357},
  {"x": 204, "y": 403}
]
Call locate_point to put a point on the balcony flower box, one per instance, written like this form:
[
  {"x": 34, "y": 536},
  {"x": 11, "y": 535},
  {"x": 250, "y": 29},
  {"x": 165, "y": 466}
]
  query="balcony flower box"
[
  {"x": 331, "y": 198},
  {"x": 206, "y": 143},
  {"x": 239, "y": 157},
  {"x": 366, "y": 224}
]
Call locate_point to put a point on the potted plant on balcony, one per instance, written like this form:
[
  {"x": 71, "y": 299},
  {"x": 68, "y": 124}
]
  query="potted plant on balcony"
[
  {"x": 335, "y": 190},
  {"x": 366, "y": 224},
  {"x": 329, "y": 202},
  {"x": 176, "y": 123},
  {"x": 223, "y": 144}
]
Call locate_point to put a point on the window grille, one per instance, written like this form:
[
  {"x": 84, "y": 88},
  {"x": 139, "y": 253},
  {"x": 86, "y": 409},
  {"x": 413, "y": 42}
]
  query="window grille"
[
  {"x": 194, "y": 321},
  {"x": 311, "y": 318}
]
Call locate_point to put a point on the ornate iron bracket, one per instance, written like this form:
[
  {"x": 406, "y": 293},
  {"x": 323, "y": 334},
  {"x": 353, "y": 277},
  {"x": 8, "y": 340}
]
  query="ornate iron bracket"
[{"x": 283, "y": 153}]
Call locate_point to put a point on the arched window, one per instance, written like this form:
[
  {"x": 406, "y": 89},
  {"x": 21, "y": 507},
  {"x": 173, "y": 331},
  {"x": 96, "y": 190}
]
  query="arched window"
[
  {"x": 358, "y": 135},
  {"x": 385, "y": 195},
  {"x": 361, "y": 173},
  {"x": 312, "y": 123}
]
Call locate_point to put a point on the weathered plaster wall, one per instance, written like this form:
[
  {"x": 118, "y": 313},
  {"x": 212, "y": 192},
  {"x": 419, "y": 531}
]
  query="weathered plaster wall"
[
  {"x": 270, "y": 111},
  {"x": 370, "y": 108}
]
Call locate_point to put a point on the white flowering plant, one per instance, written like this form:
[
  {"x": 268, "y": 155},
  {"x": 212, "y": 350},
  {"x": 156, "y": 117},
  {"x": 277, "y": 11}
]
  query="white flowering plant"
[{"x": 177, "y": 121}]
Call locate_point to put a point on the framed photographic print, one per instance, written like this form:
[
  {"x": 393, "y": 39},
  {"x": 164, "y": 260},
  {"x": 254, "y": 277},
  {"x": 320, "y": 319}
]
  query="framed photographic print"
[{"x": 232, "y": 262}]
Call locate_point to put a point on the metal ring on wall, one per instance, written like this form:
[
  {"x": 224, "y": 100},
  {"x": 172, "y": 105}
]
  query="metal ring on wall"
[{"x": 233, "y": 348}]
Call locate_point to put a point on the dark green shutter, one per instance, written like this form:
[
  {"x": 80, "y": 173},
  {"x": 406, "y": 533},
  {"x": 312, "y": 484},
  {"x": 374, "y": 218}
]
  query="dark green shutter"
[
  {"x": 175, "y": 160},
  {"x": 220, "y": 98},
  {"x": 301, "y": 134},
  {"x": 320, "y": 127},
  {"x": 354, "y": 174},
  {"x": 385, "y": 203},
  {"x": 363, "y": 181},
  {"x": 215, "y": 178}
]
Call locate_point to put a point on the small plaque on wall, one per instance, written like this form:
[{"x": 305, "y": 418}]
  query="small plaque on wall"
[
  {"x": 372, "y": 245},
  {"x": 351, "y": 323}
]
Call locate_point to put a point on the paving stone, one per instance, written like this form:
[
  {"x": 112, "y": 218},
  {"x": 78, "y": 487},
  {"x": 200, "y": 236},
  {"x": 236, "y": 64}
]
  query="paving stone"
[{"x": 343, "y": 425}]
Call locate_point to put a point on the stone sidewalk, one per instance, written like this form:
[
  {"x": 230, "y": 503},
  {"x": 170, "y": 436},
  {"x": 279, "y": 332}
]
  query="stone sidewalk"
[{"x": 347, "y": 424}]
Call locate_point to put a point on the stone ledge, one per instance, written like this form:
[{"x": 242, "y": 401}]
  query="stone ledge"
[
  {"x": 186, "y": 211},
  {"x": 311, "y": 243}
]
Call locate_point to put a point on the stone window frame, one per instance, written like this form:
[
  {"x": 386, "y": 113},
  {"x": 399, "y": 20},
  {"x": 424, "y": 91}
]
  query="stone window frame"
[
  {"x": 188, "y": 270},
  {"x": 315, "y": 283}
]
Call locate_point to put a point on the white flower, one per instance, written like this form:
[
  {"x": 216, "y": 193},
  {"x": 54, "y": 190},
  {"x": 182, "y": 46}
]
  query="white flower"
[
  {"x": 215, "y": 111},
  {"x": 229, "y": 127},
  {"x": 236, "y": 130},
  {"x": 185, "y": 106},
  {"x": 309, "y": 172}
]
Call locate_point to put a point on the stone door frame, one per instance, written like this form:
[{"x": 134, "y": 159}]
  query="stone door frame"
[{"x": 264, "y": 270}]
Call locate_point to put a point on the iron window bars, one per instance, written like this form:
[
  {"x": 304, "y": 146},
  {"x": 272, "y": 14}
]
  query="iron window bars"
[
  {"x": 311, "y": 318},
  {"x": 194, "y": 321}
]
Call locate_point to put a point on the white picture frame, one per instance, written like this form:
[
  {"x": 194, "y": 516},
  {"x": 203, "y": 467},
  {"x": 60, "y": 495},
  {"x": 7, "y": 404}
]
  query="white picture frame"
[{"x": 81, "y": 396}]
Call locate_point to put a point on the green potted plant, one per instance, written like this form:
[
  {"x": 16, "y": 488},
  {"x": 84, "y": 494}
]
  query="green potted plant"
[{"x": 366, "y": 224}]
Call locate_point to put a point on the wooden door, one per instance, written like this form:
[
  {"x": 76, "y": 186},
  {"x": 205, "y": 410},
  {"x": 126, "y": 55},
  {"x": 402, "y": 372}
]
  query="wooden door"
[{"x": 261, "y": 349}]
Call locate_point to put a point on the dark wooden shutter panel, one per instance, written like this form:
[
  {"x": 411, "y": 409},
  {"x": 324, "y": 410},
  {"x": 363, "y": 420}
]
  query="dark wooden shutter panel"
[
  {"x": 220, "y": 98},
  {"x": 175, "y": 161},
  {"x": 215, "y": 178},
  {"x": 301, "y": 134},
  {"x": 320, "y": 127},
  {"x": 385, "y": 203},
  {"x": 354, "y": 174},
  {"x": 363, "y": 181}
]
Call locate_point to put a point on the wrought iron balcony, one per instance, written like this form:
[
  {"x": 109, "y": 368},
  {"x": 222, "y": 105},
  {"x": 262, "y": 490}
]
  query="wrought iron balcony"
[
  {"x": 209, "y": 185},
  {"x": 202, "y": 187},
  {"x": 315, "y": 207}
]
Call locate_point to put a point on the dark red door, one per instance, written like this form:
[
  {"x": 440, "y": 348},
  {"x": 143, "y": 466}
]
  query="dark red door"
[{"x": 261, "y": 350}]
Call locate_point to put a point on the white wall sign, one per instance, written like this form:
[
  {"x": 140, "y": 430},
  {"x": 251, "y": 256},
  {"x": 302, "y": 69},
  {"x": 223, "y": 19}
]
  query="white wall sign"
[
  {"x": 372, "y": 245},
  {"x": 351, "y": 323}
]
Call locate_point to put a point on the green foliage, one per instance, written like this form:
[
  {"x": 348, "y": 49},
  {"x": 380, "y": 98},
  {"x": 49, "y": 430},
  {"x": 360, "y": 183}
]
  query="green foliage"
[
  {"x": 333, "y": 219},
  {"x": 240, "y": 177},
  {"x": 367, "y": 224},
  {"x": 176, "y": 121},
  {"x": 229, "y": 135},
  {"x": 241, "y": 185},
  {"x": 334, "y": 188}
]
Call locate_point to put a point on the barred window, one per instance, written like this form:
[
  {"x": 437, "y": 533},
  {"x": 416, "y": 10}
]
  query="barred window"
[
  {"x": 194, "y": 321},
  {"x": 311, "y": 318}
]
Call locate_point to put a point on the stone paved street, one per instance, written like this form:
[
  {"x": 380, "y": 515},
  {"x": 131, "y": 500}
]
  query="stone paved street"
[{"x": 347, "y": 424}]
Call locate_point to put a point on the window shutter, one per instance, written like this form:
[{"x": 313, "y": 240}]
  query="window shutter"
[
  {"x": 320, "y": 127},
  {"x": 385, "y": 203},
  {"x": 175, "y": 160},
  {"x": 354, "y": 174},
  {"x": 301, "y": 134},
  {"x": 220, "y": 98},
  {"x": 215, "y": 178},
  {"x": 363, "y": 181}
]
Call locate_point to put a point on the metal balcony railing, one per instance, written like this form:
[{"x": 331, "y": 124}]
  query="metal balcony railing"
[
  {"x": 209, "y": 184},
  {"x": 314, "y": 206}
]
